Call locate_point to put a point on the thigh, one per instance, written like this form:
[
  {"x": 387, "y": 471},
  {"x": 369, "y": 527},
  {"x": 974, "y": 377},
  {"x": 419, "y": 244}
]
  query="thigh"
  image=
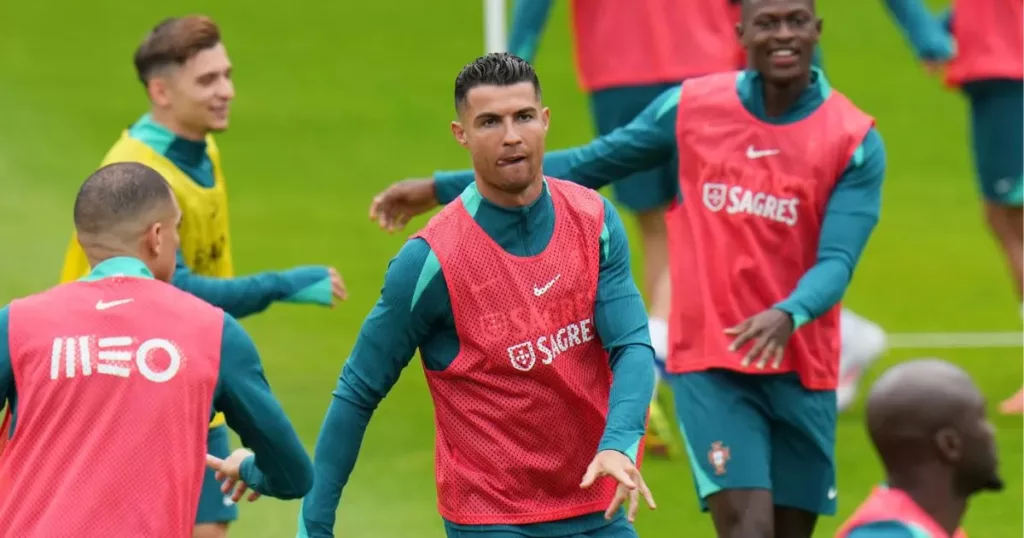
[
  {"x": 725, "y": 430},
  {"x": 803, "y": 440},
  {"x": 997, "y": 139},
  {"x": 614, "y": 107},
  {"x": 620, "y": 528},
  {"x": 214, "y": 506}
]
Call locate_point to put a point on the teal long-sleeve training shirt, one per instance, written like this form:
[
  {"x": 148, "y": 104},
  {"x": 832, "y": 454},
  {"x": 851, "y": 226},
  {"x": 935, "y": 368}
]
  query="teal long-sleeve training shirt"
[
  {"x": 650, "y": 141},
  {"x": 241, "y": 296},
  {"x": 414, "y": 311},
  {"x": 280, "y": 466}
]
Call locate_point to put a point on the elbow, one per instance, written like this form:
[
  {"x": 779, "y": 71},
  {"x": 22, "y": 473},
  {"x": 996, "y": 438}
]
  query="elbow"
[{"x": 300, "y": 483}]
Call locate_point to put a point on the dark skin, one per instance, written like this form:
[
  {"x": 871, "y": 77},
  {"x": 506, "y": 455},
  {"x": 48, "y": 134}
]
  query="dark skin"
[
  {"x": 927, "y": 421},
  {"x": 779, "y": 36}
]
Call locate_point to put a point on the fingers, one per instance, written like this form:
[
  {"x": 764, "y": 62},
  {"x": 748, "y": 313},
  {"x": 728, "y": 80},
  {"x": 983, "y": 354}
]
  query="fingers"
[
  {"x": 590, "y": 476},
  {"x": 338, "y": 285},
  {"x": 777, "y": 361},
  {"x": 648, "y": 496},
  {"x": 240, "y": 489},
  {"x": 751, "y": 331},
  {"x": 617, "y": 500},
  {"x": 767, "y": 351},
  {"x": 622, "y": 476},
  {"x": 253, "y": 495},
  {"x": 732, "y": 331},
  {"x": 213, "y": 462},
  {"x": 634, "y": 504},
  {"x": 227, "y": 485}
]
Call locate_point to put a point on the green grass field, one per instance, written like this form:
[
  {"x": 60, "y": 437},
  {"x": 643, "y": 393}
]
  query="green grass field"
[{"x": 338, "y": 99}]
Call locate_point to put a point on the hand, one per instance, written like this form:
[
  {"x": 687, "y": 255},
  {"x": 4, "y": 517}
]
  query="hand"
[
  {"x": 616, "y": 465},
  {"x": 402, "y": 201},
  {"x": 229, "y": 470},
  {"x": 338, "y": 290},
  {"x": 771, "y": 329}
]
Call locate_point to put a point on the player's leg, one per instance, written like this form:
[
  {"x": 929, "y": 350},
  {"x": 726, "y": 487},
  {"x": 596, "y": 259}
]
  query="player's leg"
[
  {"x": 863, "y": 342},
  {"x": 726, "y": 434},
  {"x": 216, "y": 511},
  {"x": 803, "y": 469},
  {"x": 997, "y": 141},
  {"x": 644, "y": 195}
]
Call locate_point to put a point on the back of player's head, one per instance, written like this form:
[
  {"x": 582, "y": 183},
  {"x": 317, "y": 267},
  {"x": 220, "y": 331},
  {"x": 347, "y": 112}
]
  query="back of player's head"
[
  {"x": 495, "y": 69},
  {"x": 119, "y": 197},
  {"x": 172, "y": 42},
  {"x": 927, "y": 417}
]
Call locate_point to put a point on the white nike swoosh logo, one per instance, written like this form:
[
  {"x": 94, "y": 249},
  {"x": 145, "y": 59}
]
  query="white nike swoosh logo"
[
  {"x": 753, "y": 153},
  {"x": 832, "y": 493},
  {"x": 544, "y": 289},
  {"x": 100, "y": 305}
]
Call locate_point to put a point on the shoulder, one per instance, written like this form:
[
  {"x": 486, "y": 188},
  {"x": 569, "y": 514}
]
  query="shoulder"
[
  {"x": 869, "y": 159},
  {"x": 413, "y": 273}
]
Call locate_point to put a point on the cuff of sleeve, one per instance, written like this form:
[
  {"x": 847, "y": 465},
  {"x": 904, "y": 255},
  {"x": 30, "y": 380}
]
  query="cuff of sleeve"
[
  {"x": 799, "y": 314},
  {"x": 306, "y": 285},
  {"x": 446, "y": 186},
  {"x": 248, "y": 471},
  {"x": 320, "y": 292},
  {"x": 630, "y": 451}
]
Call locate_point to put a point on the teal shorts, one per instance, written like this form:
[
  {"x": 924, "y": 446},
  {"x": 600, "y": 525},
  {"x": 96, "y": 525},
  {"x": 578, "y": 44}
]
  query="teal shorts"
[
  {"x": 618, "y": 527},
  {"x": 759, "y": 432},
  {"x": 997, "y": 138},
  {"x": 214, "y": 506},
  {"x": 614, "y": 107}
]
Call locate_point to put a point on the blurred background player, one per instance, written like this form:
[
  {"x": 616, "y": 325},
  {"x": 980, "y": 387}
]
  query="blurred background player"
[
  {"x": 980, "y": 45},
  {"x": 627, "y": 54},
  {"x": 533, "y": 337},
  {"x": 110, "y": 383},
  {"x": 186, "y": 71},
  {"x": 799, "y": 227},
  {"x": 926, "y": 419}
]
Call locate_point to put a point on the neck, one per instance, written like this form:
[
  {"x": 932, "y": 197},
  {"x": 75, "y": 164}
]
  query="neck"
[
  {"x": 502, "y": 198},
  {"x": 943, "y": 504},
  {"x": 779, "y": 98},
  {"x": 179, "y": 129}
]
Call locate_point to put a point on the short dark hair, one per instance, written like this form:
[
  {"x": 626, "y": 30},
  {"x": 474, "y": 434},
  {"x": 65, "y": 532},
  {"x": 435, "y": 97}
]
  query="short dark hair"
[
  {"x": 172, "y": 42},
  {"x": 495, "y": 69},
  {"x": 119, "y": 194}
]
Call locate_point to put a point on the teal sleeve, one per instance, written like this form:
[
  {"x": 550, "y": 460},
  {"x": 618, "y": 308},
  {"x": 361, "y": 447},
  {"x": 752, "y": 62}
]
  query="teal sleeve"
[
  {"x": 884, "y": 529},
  {"x": 946, "y": 20},
  {"x": 387, "y": 341},
  {"x": 649, "y": 141},
  {"x": 528, "y": 21},
  {"x": 850, "y": 217},
  {"x": 6, "y": 368},
  {"x": 923, "y": 30},
  {"x": 279, "y": 466},
  {"x": 620, "y": 319},
  {"x": 244, "y": 296}
]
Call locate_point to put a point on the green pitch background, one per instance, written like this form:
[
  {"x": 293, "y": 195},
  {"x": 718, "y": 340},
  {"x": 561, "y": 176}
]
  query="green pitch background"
[{"x": 338, "y": 99}]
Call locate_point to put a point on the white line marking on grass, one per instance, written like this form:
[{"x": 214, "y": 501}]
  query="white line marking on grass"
[{"x": 956, "y": 340}]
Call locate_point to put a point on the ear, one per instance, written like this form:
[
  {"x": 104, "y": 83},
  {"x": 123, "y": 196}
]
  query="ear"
[
  {"x": 819, "y": 26},
  {"x": 545, "y": 118},
  {"x": 739, "y": 31},
  {"x": 949, "y": 444},
  {"x": 460, "y": 134},
  {"x": 159, "y": 91},
  {"x": 153, "y": 239}
]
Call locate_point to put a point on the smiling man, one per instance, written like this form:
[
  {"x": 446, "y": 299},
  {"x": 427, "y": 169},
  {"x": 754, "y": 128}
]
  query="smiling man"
[{"x": 783, "y": 176}]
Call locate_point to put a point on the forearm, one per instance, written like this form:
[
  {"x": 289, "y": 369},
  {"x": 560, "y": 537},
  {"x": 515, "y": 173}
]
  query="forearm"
[
  {"x": 244, "y": 296},
  {"x": 922, "y": 29},
  {"x": 528, "y": 21},
  {"x": 631, "y": 392},
  {"x": 337, "y": 448}
]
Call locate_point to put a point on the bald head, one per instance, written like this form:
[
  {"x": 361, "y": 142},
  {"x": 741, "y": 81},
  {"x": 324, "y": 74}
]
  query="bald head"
[{"x": 121, "y": 200}]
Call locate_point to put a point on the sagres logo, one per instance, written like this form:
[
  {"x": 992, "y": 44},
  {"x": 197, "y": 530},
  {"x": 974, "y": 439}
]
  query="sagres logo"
[
  {"x": 524, "y": 357},
  {"x": 735, "y": 199}
]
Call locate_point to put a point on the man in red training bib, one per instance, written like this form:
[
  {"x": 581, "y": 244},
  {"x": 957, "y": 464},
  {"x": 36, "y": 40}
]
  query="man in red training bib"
[
  {"x": 110, "y": 383},
  {"x": 533, "y": 336},
  {"x": 781, "y": 178},
  {"x": 927, "y": 421}
]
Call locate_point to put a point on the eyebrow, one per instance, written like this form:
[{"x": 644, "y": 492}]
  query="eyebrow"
[{"x": 485, "y": 115}]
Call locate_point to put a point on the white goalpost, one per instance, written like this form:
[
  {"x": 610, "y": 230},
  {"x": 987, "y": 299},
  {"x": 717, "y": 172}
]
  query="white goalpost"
[{"x": 495, "y": 39}]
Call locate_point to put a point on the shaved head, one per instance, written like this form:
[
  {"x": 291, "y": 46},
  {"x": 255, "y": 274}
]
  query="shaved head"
[
  {"x": 747, "y": 6},
  {"x": 128, "y": 209},
  {"x": 929, "y": 413}
]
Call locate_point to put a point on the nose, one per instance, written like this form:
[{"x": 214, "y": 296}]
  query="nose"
[
  {"x": 512, "y": 135},
  {"x": 784, "y": 32},
  {"x": 226, "y": 89}
]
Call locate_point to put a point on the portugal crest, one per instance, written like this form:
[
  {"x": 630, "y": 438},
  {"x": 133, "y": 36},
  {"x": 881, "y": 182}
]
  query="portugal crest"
[
  {"x": 714, "y": 196},
  {"x": 522, "y": 356},
  {"x": 718, "y": 456}
]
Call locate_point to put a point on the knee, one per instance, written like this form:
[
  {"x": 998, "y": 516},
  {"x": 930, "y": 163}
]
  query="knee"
[
  {"x": 210, "y": 530},
  {"x": 741, "y": 516}
]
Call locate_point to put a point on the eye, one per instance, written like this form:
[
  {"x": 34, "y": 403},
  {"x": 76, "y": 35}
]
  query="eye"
[{"x": 526, "y": 116}]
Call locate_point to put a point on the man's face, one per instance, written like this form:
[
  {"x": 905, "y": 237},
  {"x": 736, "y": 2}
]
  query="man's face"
[
  {"x": 504, "y": 128},
  {"x": 199, "y": 92},
  {"x": 780, "y": 36},
  {"x": 977, "y": 467}
]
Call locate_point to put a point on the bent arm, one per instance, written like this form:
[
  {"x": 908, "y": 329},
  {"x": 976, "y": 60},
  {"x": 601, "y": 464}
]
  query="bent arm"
[{"x": 528, "y": 22}]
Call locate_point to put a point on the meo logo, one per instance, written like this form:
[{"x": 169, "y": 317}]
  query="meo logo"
[
  {"x": 114, "y": 357},
  {"x": 736, "y": 199}
]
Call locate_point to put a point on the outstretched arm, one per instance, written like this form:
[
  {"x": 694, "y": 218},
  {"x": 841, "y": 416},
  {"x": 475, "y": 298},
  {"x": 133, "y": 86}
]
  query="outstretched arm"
[
  {"x": 646, "y": 142},
  {"x": 387, "y": 341},
  {"x": 621, "y": 321},
  {"x": 247, "y": 295},
  {"x": 528, "y": 22},
  {"x": 850, "y": 217},
  {"x": 926, "y": 33}
]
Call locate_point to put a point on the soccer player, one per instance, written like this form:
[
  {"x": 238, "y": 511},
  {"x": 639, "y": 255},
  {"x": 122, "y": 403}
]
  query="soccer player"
[
  {"x": 532, "y": 333},
  {"x": 981, "y": 46},
  {"x": 782, "y": 175},
  {"x": 186, "y": 72},
  {"x": 926, "y": 419},
  {"x": 110, "y": 383}
]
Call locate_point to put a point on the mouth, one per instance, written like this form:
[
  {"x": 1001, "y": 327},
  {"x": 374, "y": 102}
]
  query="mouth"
[
  {"x": 511, "y": 160},
  {"x": 784, "y": 56},
  {"x": 219, "y": 111}
]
